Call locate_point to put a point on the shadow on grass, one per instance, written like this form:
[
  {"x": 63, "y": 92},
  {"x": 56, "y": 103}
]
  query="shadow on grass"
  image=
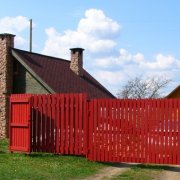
[
  {"x": 173, "y": 168},
  {"x": 36, "y": 154},
  {"x": 2, "y": 152}
]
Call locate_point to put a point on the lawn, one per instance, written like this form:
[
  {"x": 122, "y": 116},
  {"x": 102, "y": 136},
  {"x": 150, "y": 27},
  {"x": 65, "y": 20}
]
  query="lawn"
[
  {"x": 49, "y": 166},
  {"x": 44, "y": 166}
]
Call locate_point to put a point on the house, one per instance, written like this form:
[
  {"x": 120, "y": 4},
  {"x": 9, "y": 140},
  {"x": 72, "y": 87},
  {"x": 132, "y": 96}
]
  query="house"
[
  {"x": 28, "y": 72},
  {"x": 175, "y": 93}
]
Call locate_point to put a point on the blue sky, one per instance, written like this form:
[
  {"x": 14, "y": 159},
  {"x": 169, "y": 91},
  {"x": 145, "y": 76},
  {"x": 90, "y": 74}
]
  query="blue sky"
[{"x": 122, "y": 38}]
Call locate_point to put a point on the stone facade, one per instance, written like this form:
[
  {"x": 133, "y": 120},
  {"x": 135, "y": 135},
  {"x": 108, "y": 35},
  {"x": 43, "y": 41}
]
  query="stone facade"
[
  {"x": 77, "y": 61},
  {"x": 24, "y": 82},
  {"x": 6, "y": 78}
]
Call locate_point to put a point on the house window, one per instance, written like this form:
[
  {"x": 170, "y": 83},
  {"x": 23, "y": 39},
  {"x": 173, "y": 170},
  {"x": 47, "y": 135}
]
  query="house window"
[{"x": 15, "y": 68}]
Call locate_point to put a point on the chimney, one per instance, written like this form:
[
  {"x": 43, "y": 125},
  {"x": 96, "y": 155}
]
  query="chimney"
[
  {"x": 6, "y": 78},
  {"x": 76, "y": 64}
]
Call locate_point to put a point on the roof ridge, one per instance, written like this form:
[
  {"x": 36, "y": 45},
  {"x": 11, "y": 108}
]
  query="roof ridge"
[{"x": 48, "y": 56}]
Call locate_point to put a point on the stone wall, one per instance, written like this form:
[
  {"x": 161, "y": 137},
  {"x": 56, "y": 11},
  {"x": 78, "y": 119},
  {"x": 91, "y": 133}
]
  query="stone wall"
[{"x": 6, "y": 74}]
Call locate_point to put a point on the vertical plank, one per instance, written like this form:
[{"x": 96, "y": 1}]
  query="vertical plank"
[
  {"x": 118, "y": 131},
  {"x": 48, "y": 128},
  {"x": 170, "y": 121},
  {"x": 142, "y": 131},
  {"x": 113, "y": 131},
  {"x": 62, "y": 144},
  {"x": 130, "y": 131},
  {"x": 66, "y": 124},
  {"x": 162, "y": 145},
  {"x": 80, "y": 124},
  {"x": 178, "y": 132},
  {"x": 71, "y": 124},
  {"x": 134, "y": 131},
  {"x": 150, "y": 132},
  {"x": 53, "y": 122},
  {"x": 99, "y": 144},
  {"x": 115, "y": 143},
  {"x": 35, "y": 123},
  {"x": 175, "y": 131},
  {"x": 95, "y": 131},
  {"x": 39, "y": 124},
  {"x": 58, "y": 125},
  {"x": 123, "y": 136},
  {"x": 103, "y": 131},
  {"x": 110, "y": 131},
  {"x": 138, "y": 120},
  {"x": 85, "y": 119},
  {"x": 126, "y": 135},
  {"x": 158, "y": 112},
  {"x": 106, "y": 130},
  {"x": 43, "y": 123},
  {"x": 91, "y": 120},
  {"x": 76, "y": 124}
]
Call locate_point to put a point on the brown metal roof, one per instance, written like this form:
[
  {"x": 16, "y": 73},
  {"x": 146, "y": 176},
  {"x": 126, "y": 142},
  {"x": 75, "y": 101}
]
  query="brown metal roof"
[
  {"x": 175, "y": 93},
  {"x": 56, "y": 73}
]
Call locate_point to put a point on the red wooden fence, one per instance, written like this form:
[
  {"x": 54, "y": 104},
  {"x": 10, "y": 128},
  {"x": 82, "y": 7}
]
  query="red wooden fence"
[
  {"x": 58, "y": 123},
  {"x": 141, "y": 131},
  {"x": 106, "y": 130}
]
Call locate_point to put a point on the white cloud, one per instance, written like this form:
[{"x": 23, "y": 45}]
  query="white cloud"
[
  {"x": 110, "y": 77},
  {"x": 94, "y": 32},
  {"x": 162, "y": 62},
  {"x": 15, "y": 25},
  {"x": 98, "y": 25},
  {"x": 115, "y": 71},
  {"x": 97, "y": 33}
]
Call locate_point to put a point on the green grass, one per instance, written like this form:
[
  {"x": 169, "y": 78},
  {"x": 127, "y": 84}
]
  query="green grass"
[
  {"x": 44, "y": 166},
  {"x": 141, "y": 172}
]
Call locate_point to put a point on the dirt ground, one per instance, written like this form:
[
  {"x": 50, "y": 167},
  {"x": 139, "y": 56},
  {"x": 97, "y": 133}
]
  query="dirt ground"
[
  {"x": 109, "y": 172},
  {"x": 170, "y": 173}
]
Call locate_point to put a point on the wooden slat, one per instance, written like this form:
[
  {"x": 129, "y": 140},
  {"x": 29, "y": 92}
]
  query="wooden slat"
[
  {"x": 178, "y": 132},
  {"x": 62, "y": 144},
  {"x": 91, "y": 120},
  {"x": 80, "y": 143},
  {"x": 66, "y": 124},
  {"x": 71, "y": 124},
  {"x": 58, "y": 116},
  {"x": 85, "y": 136}
]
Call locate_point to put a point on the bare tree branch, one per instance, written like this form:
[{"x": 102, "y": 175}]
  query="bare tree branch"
[{"x": 139, "y": 88}]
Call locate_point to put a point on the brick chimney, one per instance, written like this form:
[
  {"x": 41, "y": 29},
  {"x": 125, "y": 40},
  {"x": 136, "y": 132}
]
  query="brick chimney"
[
  {"x": 6, "y": 78},
  {"x": 76, "y": 64}
]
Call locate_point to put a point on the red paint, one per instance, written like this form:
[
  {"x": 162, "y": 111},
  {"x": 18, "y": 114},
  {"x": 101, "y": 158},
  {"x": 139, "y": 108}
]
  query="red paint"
[
  {"x": 144, "y": 131},
  {"x": 105, "y": 130}
]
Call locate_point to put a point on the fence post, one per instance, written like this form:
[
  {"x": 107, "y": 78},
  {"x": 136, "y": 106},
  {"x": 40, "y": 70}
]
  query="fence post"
[{"x": 20, "y": 123}]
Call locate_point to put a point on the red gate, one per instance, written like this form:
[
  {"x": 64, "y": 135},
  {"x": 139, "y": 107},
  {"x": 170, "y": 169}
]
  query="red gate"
[
  {"x": 19, "y": 123},
  {"x": 141, "y": 131}
]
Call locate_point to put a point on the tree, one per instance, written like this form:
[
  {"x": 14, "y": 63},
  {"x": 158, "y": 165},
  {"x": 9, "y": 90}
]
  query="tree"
[{"x": 138, "y": 88}]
